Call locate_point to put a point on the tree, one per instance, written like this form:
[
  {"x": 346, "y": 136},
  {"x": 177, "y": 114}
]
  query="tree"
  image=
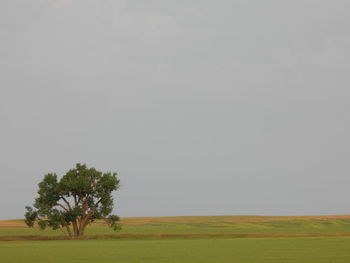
[{"x": 70, "y": 204}]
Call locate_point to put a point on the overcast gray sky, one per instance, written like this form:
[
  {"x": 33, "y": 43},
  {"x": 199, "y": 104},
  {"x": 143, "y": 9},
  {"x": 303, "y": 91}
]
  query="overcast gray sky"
[{"x": 202, "y": 107}]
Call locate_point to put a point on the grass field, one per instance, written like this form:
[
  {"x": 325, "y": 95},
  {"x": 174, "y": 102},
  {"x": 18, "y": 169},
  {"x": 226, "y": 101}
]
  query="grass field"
[
  {"x": 190, "y": 239},
  {"x": 201, "y": 225},
  {"x": 297, "y": 250}
]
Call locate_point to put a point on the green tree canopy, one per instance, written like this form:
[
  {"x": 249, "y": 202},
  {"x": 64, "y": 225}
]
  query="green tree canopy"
[{"x": 70, "y": 204}]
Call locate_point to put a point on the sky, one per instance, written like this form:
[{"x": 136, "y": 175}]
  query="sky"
[{"x": 202, "y": 107}]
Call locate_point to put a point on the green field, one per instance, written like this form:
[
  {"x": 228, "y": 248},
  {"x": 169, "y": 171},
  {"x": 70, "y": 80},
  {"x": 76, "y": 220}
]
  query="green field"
[
  {"x": 175, "y": 239},
  {"x": 250, "y": 250}
]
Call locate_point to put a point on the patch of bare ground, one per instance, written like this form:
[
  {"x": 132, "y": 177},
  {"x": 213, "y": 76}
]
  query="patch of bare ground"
[{"x": 152, "y": 236}]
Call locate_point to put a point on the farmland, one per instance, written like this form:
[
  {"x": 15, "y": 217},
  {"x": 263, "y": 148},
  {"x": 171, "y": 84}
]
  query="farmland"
[{"x": 187, "y": 239}]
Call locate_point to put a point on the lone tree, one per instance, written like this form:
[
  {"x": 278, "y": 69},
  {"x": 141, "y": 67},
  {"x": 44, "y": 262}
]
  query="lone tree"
[{"x": 70, "y": 204}]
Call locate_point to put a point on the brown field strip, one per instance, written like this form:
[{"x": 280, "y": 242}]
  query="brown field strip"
[
  {"x": 150, "y": 236},
  {"x": 12, "y": 224},
  {"x": 194, "y": 219},
  {"x": 222, "y": 219}
]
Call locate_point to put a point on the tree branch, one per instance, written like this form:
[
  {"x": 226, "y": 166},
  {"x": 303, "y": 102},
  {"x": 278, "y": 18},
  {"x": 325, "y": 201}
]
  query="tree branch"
[
  {"x": 93, "y": 208},
  {"x": 68, "y": 204},
  {"x": 62, "y": 206},
  {"x": 75, "y": 200}
]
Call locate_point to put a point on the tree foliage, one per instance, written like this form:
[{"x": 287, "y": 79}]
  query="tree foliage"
[{"x": 70, "y": 204}]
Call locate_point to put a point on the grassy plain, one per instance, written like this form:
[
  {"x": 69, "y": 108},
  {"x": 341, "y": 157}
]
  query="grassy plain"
[
  {"x": 213, "y": 225},
  {"x": 250, "y": 250},
  {"x": 190, "y": 239}
]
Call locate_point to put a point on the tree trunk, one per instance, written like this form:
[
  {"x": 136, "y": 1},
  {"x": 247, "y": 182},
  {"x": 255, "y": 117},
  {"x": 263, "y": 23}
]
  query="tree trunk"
[
  {"x": 81, "y": 231},
  {"x": 83, "y": 222},
  {"x": 69, "y": 232},
  {"x": 75, "y": 229}
]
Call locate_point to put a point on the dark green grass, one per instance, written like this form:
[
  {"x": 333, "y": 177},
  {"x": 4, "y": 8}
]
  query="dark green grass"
[{"x": 249, "y": 250}]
